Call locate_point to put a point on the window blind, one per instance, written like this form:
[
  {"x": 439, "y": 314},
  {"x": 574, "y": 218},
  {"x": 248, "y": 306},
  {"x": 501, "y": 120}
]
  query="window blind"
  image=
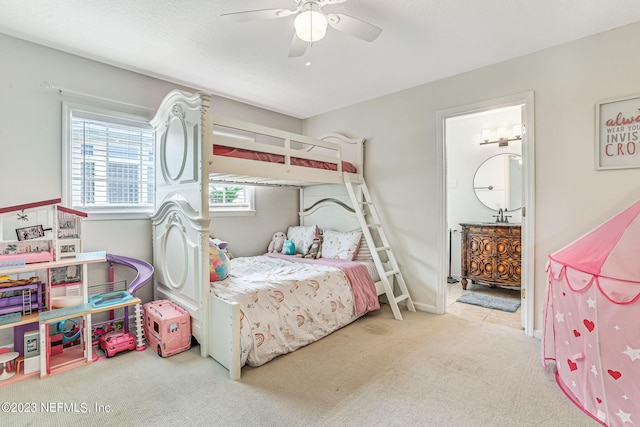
[
  {"x": 229, "y": 196},
  {"x": 112, "y": 163}
]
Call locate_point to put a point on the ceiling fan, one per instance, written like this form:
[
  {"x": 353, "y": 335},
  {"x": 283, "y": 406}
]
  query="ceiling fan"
[{"x": 311, "y": 22}]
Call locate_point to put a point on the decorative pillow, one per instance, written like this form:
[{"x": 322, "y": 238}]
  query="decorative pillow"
[
  {"x": 288, "y": 248},
  {"x": 302, "y": 237},
  {"x": 364, "y": 253},
  {"x": 343, "y": 245},
  {"x": 219, "y": 264}
]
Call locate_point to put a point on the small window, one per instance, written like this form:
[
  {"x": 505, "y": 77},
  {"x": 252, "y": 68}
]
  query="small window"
[
  {"x": 108, "y": 161},
  {"x": 229, "y": 197},
  {"x": 156, "y": 327}
]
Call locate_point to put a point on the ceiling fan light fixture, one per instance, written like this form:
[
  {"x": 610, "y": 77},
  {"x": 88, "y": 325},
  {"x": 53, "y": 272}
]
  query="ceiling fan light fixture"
[{"x": 311, "y": 23}]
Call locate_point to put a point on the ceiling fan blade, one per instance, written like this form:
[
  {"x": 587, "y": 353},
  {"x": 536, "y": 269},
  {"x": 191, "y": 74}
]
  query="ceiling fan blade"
[
  {"x": 256, "y": 15},
  {"x": 355, "y": 27},
  {"x": 298, "y": 47}
]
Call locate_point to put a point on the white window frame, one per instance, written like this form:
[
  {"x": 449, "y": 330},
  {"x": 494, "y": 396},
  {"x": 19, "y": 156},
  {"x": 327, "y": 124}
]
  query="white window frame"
[
  {"x": 105, "y": 115},
  {"x": 230, "y": 210}
]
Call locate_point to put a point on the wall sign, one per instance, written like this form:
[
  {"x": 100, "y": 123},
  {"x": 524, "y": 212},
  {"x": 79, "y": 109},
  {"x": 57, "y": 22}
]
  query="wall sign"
[{"x": 618, "y": 134}]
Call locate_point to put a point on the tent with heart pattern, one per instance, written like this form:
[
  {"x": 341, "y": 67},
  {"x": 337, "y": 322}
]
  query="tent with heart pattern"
[{"x": 591, "y": 326}]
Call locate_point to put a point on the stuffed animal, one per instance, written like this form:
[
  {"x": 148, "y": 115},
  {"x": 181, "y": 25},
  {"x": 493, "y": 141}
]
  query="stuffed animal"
[
  {"x": 219, "y": 264},
  {"x": 289, "y": 248},
  {"x": 315, "y": 249},
  {"x": 224, "y": 246},
  {"x": 277, "y": 242},
  {"x": 219, "y": 243}
]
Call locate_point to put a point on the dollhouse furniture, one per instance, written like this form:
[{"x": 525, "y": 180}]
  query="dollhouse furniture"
[
  {"x": 22, "y": 299},
  {"x": 491, "y": 254},
  {"x": 18, "y": 363},
  {"x": 4, "y": 350},
  {"x": 195, "y": 147},
  {"x": 5, "y": 358}
]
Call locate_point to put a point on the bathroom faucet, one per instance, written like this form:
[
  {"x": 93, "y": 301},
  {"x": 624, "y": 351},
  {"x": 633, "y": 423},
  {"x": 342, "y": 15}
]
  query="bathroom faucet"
[{"x": 501, "y": 217}]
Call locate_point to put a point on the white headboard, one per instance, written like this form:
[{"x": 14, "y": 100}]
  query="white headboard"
[
  {"x": 327, "y": 206},
  {"x": 330, "y": 214}
]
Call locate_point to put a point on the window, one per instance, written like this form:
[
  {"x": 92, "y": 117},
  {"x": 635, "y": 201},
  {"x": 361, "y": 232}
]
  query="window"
[
  {"x": 108, "y": 161},
  {"x": 228, "y": 198}
]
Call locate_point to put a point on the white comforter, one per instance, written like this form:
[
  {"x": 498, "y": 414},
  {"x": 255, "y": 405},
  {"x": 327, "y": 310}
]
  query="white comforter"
[{"x": 285, "y": 305}]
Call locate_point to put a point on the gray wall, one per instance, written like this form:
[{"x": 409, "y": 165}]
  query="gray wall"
[
  {"x": 401, "y": 164},
  {"x": 571, "y": 196},
  {"x": 30, "y": 147}
]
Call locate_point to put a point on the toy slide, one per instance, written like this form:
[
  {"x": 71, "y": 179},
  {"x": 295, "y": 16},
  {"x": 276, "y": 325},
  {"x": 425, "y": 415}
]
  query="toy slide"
[{"x": 143, "y": 268}]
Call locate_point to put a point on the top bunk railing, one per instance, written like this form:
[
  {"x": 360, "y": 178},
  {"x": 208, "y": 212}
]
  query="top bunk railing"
[
  {"x": 286, "y": 149},
  {"x": 194, "y": 145},
  {"x": 246, "y": 152}
]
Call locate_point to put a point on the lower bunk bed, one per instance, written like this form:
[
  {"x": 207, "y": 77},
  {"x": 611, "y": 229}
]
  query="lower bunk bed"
[
  {"x": 278, "y": 303},
  {"x": 268, "y": 305}
]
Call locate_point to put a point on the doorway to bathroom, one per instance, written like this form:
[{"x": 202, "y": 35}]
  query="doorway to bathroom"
[{"x": 487, "y": 155}]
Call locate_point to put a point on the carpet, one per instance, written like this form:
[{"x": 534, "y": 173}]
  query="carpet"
[
  {"x": 488, "y": 301},
  {"x": 376, "y": 371}
]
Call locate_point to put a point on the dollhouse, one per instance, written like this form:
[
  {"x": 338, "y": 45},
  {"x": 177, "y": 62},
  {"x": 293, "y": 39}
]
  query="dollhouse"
[{"x": 45, "y": 301}]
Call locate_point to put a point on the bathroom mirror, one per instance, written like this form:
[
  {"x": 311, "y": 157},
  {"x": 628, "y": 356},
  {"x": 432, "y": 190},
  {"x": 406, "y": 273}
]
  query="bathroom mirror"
[{"x": 498, "y": 182}]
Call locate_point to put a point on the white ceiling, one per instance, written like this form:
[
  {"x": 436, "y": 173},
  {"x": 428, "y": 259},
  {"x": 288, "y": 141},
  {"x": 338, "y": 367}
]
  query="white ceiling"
[{"x": 187, "y": 42}]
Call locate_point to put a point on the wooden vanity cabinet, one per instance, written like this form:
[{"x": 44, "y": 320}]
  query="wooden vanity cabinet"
[{"x": 491, "y": 254}]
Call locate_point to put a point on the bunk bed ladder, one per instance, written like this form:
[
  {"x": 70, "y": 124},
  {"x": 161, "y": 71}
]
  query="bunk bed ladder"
[{"x": 389, "y": 270}]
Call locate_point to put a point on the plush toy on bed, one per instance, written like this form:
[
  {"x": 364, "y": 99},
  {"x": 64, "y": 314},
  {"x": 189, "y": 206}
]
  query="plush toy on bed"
[
  {"x": 277, "y": 242},
  {"x": 315, "y": 249},
  {"x": 219, "y": 264},
  {"x": 289, "y": 248},
  {"x": 224, "y": 246}
]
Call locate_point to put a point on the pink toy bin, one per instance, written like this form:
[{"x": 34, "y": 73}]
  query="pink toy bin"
[{"x": 167, "y": 327}]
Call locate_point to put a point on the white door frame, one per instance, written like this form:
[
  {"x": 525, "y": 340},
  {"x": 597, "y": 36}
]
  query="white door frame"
[{"x": 528, "y": 218}]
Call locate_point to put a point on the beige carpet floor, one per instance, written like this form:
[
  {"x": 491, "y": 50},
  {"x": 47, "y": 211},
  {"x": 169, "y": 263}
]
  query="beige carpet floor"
[{"x": 429, "y": 370}]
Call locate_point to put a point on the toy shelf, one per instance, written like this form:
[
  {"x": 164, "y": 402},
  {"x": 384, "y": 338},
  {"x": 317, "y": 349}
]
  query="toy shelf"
[
  {"x": 29, "y": 318},
  {"x": 48, "y": 265},
  {"x": 129, "y": 303}
]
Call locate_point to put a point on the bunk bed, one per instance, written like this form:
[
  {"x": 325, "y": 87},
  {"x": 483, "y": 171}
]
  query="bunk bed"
[{"x": 195, "y": 147}]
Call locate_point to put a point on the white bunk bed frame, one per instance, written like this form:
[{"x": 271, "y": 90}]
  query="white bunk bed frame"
[{"x": 185, "y": 164}]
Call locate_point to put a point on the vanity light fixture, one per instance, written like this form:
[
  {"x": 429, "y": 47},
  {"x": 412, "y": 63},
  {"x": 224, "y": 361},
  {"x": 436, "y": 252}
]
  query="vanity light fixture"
[
  {"x": 517, "y": 131},
  {"x": 501, "y": 134}
]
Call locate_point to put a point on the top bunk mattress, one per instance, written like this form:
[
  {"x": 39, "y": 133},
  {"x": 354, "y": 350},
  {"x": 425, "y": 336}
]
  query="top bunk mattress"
[{"x": 241, "y": 153}]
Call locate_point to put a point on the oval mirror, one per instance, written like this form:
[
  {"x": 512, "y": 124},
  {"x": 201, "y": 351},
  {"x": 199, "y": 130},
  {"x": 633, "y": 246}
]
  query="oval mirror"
[{"x": 498, "y": 182}]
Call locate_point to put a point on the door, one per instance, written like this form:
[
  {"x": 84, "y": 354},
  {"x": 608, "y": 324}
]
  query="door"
[{"x": 522, "y": 106}]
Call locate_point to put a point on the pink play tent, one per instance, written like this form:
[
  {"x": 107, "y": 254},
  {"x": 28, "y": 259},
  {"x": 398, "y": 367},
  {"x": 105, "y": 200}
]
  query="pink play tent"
[{"x": 592, "y": 320}]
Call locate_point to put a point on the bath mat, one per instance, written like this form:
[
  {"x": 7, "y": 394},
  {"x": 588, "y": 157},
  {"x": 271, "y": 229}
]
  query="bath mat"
[{"x": 488, "y": 301}]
